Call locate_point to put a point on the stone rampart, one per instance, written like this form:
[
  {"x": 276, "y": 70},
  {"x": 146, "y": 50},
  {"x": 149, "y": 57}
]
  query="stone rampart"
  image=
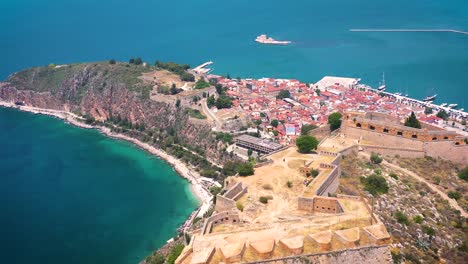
[
  {"x": 447, "y": 150},
  {"x": 224, "y": 204},
  {"x": 330, "y": 184},
  {"x": 388, "y": 151},
  {"x": 320, "y": 205},
  {"x": 229, "y": 217},
  {"x": 367, "y": 254}
]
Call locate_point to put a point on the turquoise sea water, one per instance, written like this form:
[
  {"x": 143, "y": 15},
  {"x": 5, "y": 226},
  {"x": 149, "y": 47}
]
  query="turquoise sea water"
[
  {"x": 65, "y": 31},
  {"x": 70, "y": 195}
]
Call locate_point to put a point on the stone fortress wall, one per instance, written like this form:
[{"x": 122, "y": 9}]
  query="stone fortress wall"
[{"x": 385, "y": 135}]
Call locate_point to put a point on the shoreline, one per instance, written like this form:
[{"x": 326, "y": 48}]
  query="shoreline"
[{"x": 203, "y": 196}]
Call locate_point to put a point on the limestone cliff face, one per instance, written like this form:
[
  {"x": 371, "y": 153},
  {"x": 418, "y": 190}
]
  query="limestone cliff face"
[{"x": 104, "y": 91}]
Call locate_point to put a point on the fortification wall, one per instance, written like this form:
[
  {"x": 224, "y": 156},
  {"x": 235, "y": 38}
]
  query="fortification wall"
[
  {"x": 388, "y": 151},
  {"x": 368, "y": 255},
  {"x": 330, "y": 185},
  {"x": 320, "y": 205},
  {"x": 327, "y": 205},
  {"x": 231, "y": 193},
  {"x": 227, "y": 217},
  {"x": 383, "y": 139},
  {"x": 224, "y": 204},
  {"x": 447, "y": 150}
]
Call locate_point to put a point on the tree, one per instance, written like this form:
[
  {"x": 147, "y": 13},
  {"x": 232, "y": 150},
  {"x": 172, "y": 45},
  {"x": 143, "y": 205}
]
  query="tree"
[
  {"x": 427, "y": 110},
  {"x": 174, "y": 89},
  {"x": 138, "y": 61},
  {"x": 442, "y": 114},
  {"x": 463, "y": 174},
  {"x": 249, "y": 152},
  {"x": 211, "y": 101},
  {"x": 375, "y": 158},
  {"x": 334, "y": 120},
  {"x": 314, "y": 173},
  {"x": 306, "y": 143},
  {"x": 283, "y": 94},
  {"x": 305, "y": 129},
  {"x": 111, "y": 61},
  {"x": 131, "y": 61},
  {"x": 274, "y": 123},
  {"x": 156, "y": 259},
  {"x": 375, "y": 184},
  {"x": 223, "y": 102},
  {"x": 245, "y": 169},
  {"x": 177, "y": 104},
  {"x": 317, "y": 91},
  {"x": 412, "y": 121}
]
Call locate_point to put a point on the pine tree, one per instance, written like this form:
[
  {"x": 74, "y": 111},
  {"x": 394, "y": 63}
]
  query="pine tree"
[{"x": 412, "y": 121}]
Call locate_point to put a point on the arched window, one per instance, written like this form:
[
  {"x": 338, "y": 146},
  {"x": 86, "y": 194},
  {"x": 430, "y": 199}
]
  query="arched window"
[
  {"x": 358, "y": 125},
  {"x": 434, "y": 138},
  {"x": 445, "y": 137},
  {"x": 414, "y": 136},
  {"x": 399, "y": 133},
  {"x": 385, "y": 130},
  {"x": 457, "y": 143},
  {"x": 372, "y": 127}
]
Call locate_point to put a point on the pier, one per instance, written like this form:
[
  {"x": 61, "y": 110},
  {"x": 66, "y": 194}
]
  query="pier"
[{"x": 408, "y": 30}]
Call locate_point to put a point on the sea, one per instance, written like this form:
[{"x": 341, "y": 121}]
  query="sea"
[{"x": 37, "y": 33}]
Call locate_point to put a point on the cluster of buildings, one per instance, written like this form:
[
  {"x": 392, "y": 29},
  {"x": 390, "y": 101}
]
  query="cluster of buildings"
[{"x": 313, "y": 103}]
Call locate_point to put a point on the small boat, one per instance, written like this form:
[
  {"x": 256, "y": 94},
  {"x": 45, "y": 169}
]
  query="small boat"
[
  {"x": 430, "y": 98},
  {"x": 399, "y": 94},
  {"x": 444, "y": 105},
  {"x": 461, "y": 109},
  {"x": 382, "y": 85},
  {"x": 264, "y": 39},
  {"x": 452, "y": 105}
]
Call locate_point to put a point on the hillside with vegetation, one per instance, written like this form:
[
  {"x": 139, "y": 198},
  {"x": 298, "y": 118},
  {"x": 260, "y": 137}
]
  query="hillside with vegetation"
[
  {"x": 115, "y": 95},
  {"x": 423, "y": 226}
]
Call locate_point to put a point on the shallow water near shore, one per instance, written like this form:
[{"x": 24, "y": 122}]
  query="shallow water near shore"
[{"x": 73, "y": 195}]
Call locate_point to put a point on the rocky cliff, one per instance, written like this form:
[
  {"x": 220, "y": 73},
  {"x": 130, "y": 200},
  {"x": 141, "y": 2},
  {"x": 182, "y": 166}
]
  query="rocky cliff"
[{"x": 109, "y": 92}]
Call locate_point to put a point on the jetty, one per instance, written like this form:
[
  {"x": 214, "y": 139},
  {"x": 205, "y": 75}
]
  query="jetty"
[{"x": 202, "y": 68}]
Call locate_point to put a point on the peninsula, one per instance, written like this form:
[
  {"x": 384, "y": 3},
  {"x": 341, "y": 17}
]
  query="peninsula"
[{"x": 333, "y": 171}]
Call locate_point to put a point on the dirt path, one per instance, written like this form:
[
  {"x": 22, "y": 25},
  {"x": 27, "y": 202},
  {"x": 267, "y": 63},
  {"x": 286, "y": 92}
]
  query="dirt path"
[{"x": 453, "y": 203}]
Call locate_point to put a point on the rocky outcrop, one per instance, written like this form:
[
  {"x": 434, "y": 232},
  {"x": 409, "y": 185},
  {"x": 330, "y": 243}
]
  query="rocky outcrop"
[{"x": 104, "y": 92}]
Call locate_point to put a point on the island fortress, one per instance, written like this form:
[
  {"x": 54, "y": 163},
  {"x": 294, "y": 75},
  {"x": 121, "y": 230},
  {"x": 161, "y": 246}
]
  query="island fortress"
[
  {"x": 386, "y": 135},
  {"x": 297, "y": 223}
]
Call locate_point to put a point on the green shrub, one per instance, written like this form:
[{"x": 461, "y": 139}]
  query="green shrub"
[
  {"x": 375, "y": 184},
  {"x": 454, "y": 195},
  {"x": 240, "y": 206},
  {"x": 174, "y": 253},
  {"x": 393, "y": 175},
  {"x": 289, "y": 184},
  {"x": 263, "y": 199},
  {"x": 401, "y": 218},
  {"x": 463, "y": 174},
  {"x": 418, "y": 219},
  {"x": 428, "y": 230},
  {"x": 111, "y": 61},
  {"x": 375, "y": 158},
  {"x": 245, "y": 169},
  {"x": 314, "y": 173}
]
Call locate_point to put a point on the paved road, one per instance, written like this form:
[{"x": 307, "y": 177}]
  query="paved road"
[
  {"x": 210, "y": 114},
  {"x": 453, "y": 203}
]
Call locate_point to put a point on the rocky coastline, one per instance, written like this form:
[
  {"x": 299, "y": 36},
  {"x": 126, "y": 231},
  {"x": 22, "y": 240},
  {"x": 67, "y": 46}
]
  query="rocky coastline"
[{"x": 202, "y": 195}]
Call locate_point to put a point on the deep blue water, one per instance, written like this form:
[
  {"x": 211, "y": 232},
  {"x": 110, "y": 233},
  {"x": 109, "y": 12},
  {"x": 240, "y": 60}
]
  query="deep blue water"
[
  {"x": 65, "y": 31},
  {"x": 69, "y": 195}
]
